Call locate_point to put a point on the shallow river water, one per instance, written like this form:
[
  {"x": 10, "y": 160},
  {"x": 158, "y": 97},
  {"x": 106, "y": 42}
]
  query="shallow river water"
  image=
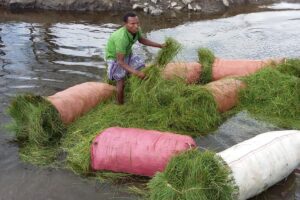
[{"x": 45, "y": 52}]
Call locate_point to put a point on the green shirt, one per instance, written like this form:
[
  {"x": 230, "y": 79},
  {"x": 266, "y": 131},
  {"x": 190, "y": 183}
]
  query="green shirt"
[{"x": 121, "y": 41}]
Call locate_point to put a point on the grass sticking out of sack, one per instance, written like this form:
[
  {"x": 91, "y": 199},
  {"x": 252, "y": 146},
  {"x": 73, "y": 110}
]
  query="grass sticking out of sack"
[
  {"x": 273, "y": 96},
  {"x": 193, "y": 175},
  {"x": 38, "y": 128},
  {"x": 35, "y": 120},
  {"x": 206, "y": 59}
]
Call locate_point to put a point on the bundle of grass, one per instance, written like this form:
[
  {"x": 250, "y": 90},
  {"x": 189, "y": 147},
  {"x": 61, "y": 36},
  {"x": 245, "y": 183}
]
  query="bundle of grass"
[
  {"x": 290, "y": 67},
  {"x": 273, "y": 96},
  {"x": 39, "y": 155},
  {"x": 193, "y": 175},
  {"x": 206, "y": 59},
  {"x": 35, "y": 120},
  {"x": 166, "y": 54}
]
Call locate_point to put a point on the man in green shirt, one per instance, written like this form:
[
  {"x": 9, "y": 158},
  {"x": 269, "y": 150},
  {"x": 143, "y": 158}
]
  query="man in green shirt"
[{"x": 119, "y": 57}]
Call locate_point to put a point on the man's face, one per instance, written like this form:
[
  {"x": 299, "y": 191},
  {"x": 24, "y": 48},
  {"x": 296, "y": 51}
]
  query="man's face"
[{"x": 132, "y": 24}]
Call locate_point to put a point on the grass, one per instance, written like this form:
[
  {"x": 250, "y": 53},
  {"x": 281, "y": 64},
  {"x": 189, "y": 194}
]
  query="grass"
[
  {"x": 165, "y": 55},
  {"x": 206, "y": 59},
  {"x": 290, "y": 67},
  {"x": 153, "y": 103},
  {"x": 35, "y": 120},
  {"x": 193, "y": 175},
  {"x": 273, "y": 96},
  {"x": 166, "y": 106}
]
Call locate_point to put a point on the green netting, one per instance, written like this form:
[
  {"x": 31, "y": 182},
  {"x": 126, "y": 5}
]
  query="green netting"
[{"x": 193, "y": 175}]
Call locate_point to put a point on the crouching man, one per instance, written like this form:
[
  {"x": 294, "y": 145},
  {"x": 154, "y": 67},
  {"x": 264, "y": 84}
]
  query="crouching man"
[{"x": 120, "y": 60}]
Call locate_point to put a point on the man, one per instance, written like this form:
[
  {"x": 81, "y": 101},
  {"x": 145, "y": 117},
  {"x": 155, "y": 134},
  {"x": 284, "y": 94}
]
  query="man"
[{"x": 119, "y": 57}]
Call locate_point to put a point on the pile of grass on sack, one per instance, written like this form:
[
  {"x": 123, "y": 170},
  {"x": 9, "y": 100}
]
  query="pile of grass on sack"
[
  {"x": 273, "y": 94},
  {"x": 193, "y": 175},
  {"x": 153, "y": 103}
]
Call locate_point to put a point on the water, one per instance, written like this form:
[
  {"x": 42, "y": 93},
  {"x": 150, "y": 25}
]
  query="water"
[{"x": 45, "y": 52}]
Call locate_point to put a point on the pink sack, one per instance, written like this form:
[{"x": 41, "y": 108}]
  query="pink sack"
[{"x": 136, "y": 151}]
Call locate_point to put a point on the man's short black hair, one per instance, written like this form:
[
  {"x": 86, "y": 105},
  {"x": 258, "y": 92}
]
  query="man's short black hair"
[{"x": 130, "y": 14}]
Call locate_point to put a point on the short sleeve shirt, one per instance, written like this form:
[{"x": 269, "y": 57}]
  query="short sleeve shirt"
[{"x": 121, "y": 41}]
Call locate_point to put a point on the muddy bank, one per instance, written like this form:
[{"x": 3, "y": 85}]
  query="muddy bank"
[{"x": 153, "y": 7}]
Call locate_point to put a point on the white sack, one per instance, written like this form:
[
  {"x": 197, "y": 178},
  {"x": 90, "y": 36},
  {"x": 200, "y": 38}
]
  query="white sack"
[{"x": 262, "y": 161}]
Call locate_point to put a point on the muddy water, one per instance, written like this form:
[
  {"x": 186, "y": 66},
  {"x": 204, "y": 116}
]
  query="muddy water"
[{"x": 45, "y": 52}]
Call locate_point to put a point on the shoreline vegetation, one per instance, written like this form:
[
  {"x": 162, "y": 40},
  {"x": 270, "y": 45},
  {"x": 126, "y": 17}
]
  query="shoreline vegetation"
[{"x": 272, "y": 95}]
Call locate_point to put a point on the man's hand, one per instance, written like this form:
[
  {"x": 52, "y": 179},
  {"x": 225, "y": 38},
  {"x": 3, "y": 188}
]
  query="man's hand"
[
  {"x": 163, "y": 45},
  {"x": 141, "y": 75}
]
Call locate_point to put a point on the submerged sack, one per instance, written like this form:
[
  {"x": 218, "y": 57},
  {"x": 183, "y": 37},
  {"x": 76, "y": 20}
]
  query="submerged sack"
[{"x": 136, "y": 151}]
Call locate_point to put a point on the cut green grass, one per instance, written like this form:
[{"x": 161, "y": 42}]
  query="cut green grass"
[
  {"x": 206, "y": 59},
  {"x": 193, "y": 175}
]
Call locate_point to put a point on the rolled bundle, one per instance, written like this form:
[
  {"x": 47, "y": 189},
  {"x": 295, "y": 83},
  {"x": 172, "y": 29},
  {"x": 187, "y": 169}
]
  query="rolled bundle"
[
  {"x": 42, "y": 120},
  {"x": 225, "y": 92},
  {"x": 79, "y": 99},
  {"x": 136, "y": 151},
  {"x": 221, "y": 68},
  {"x": 240, "y": 172}
]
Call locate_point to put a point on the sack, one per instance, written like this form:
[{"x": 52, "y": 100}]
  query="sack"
[
  {"x": 79, "y": 99},
  {"x": 136, "y": 151},
  {"x": 188, "y": 71},
  {"x": 225, "y": 92}
]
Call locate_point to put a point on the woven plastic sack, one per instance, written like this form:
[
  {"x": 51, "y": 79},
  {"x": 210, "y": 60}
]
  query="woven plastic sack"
[
  {"x": 225, "y": 68},
  {"x": 79, "y": 99},
  {"x": 260, "y": 162},
  {"x": 136, "y": 151},
  {"x": 225, "y": 92},
  {"x": 188, "y": 71}
]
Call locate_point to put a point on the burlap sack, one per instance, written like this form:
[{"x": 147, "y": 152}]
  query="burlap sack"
[
  {"x": 189, "y": 71},
  {"x": 224, "y": 68},
  {"x": 79, "y": 99},
  {"x": 225, "y": 92}
]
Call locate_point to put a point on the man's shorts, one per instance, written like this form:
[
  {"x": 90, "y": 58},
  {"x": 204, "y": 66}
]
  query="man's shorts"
[{"x": 116, "y": 72}]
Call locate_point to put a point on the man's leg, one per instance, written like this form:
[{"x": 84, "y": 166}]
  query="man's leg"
[{"x": 120, "y": 91}]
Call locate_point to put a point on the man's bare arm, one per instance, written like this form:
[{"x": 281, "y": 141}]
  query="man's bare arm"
[
  {"x": 124, "y": 65},
  {"x": 147, "y": 42}
]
